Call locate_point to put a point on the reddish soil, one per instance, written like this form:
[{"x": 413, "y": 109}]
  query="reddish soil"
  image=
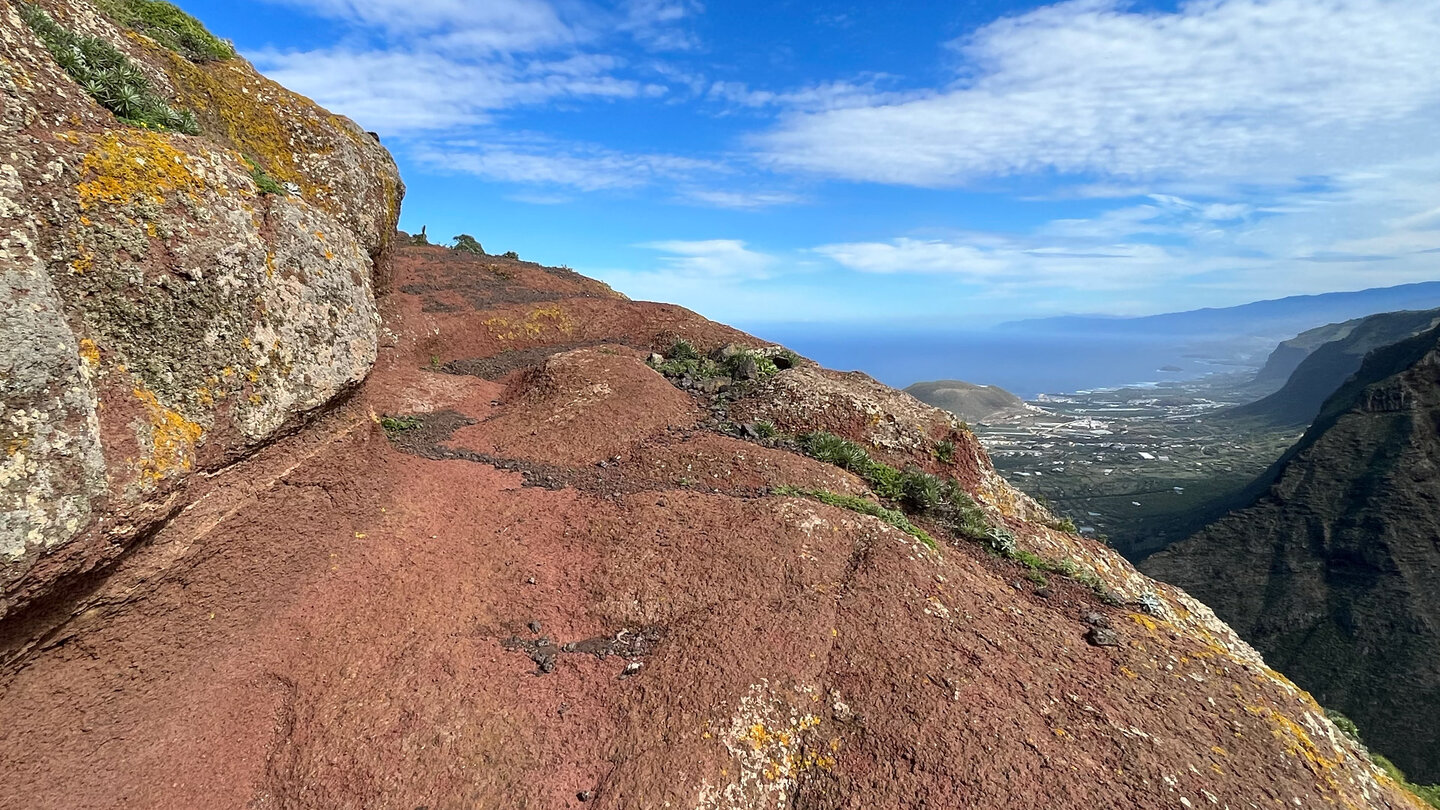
[{"x": 350, "y": 621}]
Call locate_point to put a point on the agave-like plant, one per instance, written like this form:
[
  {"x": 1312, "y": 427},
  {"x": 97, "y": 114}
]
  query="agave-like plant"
[{"x": 129, "y": 102}]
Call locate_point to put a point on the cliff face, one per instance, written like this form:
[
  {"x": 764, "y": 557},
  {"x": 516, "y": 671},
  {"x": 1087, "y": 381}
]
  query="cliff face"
[
  {"x": 1334, "y": 572},
  {"x": 161, "y": 312},
  {"x": 1321, "y": 372}
]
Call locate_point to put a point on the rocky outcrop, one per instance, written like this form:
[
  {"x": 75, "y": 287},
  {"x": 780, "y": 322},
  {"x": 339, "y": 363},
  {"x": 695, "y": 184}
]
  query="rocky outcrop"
[
  {"x": 523, "y": 568},
  {"x": 168, "y": 302},
  {"x": 1334, "y": 570}
]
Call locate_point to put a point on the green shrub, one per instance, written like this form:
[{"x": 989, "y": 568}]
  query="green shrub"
[
  {"x": 1064, "y": 524},
  {"x": 264, "y": 181},
  {"x": 510, "y": 254},
  {"x": 764, "y": 366},
  {"x": 465, "y": 243},
  {"x": 421, "y": 238},
  {"x": 765, "y": 430},
  {"x": 1430, "y": 794},
  {"x": 399, "y": 424},
  {"x": 108, "y": 76},
  {"x": 945, "y": 451},
  {"x": 922, "y": 492},
  {"x": 1344, "y": 723},
  {"x": 169, "y": 26},
  {"x": 865, "y": 507},
  {"x": 682, "y": 349}
]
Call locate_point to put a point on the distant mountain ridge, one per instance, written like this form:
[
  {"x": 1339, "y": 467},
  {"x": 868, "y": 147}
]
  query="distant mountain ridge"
[
  {"x": 971, "y": 402},
  {"x": 1286, "y": 316},
  {"x": 1333, "y": 568},
  {"x": 1325, "y": 367}
]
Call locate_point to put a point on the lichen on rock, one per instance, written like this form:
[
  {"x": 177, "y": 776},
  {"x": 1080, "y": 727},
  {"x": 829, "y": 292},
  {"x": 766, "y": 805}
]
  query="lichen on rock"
[{"x": 162, "y": 317}]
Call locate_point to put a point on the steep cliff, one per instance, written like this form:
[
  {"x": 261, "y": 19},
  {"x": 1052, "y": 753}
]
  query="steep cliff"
[
  {"x": 1321, "y": 372},
  {"x": 169, "y": 302},
  {"x": 1333, "y": 572}
]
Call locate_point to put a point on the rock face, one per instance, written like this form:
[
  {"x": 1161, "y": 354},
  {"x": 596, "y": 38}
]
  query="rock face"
[
  {"x": 520, "y": 566},
  {"x": 971, "y": 402},
  {"x": 160, "y": 314},
  {"x": 1320, "y": 369},
  {"x": 1333, "y": 572}
]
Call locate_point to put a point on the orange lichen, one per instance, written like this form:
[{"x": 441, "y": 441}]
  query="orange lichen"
[
  {"x": 133, "y": 166},
  {"x": 173, "y": 439},
  {"x": 89, "y": 352}
]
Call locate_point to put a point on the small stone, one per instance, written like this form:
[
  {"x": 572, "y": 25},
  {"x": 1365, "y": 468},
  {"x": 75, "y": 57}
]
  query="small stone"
[
  {"x": 656, "y": 359},
  {"x": 1095, "y": 619},
  {"x": 584, "y": 795},
  {"x": 530, "y": 581},
  {"x": 630, "y": 669},
  {"x": 746, "y": 368},
  {"x": 1044, "y": 592},
  {"x": 1102, "y": 637},
  {"x": 564, "y": 707},
  {"x": 534, "y": 627}
]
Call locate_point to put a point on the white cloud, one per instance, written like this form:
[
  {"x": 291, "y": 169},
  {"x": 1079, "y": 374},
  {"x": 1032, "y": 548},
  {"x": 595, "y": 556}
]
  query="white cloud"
[
  {"x": 509, "y": 26},
  {"x": 740, "y": 200},
  {"x": 402, "y": 91},
  {"x": 712, "y": 259},
  {"x": 1239, "y": 90},
  {"x": 546, "y": 163}
]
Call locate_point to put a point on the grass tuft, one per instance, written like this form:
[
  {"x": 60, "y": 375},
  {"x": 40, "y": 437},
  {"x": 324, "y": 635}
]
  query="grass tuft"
[
  {"x": 263, "y": 180},
  {"x": 864, "y": 506},
  {"x": 399, "y": 424}
]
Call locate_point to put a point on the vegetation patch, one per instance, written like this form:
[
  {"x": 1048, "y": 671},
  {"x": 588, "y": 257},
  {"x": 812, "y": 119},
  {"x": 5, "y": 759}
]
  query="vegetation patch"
[
  {"x": 395, "y": 425},
  {"x": 108, "y": 76},
  {"x": 683, "y": 361},
  {"x": 263, "y": 180},
  {"x": 947, "y": 503},
  {"x": 1430, "y": 794},
  {"x": 168, "y": 25},
  {"x": 465, "y": 243},
  {"x": 864, "y": 506}
]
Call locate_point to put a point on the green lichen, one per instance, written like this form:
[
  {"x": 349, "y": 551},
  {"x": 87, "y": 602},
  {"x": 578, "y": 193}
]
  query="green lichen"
[{"x": 169, "y": 26}]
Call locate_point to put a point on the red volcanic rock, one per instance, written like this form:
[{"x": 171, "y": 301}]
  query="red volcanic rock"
[{"x": 520, "y": 566}]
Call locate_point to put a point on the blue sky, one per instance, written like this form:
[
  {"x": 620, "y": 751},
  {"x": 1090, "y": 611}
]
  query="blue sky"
[{"x": 948, "y": 163}]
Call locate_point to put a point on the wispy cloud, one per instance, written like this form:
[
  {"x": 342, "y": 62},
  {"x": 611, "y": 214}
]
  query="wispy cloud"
[
  {"x": 1240, "y": 90},
  {"x": 712, "y": 258},
  {"x": 547, "y": 163}
]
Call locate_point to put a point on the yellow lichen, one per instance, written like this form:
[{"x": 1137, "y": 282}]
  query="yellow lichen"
[
  {"x": 133, "y": 166},
  {"x": 535, "y": 324},
  {"x": 89, "y": 352},
  {"x": 173, "y": 439}
]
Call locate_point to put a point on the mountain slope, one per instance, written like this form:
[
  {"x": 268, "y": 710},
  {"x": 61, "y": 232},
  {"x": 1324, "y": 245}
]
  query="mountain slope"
[
  {"x": 1333, "y": 571},
  {"x": 971, "y": 402},
  {"x": 1323, "y": 371},
  {"x": 499, "y": 537},
  {"x": 1287, "y": 356}
]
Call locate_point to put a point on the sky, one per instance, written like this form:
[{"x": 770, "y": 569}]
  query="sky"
[{"x": 917, "y": 162}]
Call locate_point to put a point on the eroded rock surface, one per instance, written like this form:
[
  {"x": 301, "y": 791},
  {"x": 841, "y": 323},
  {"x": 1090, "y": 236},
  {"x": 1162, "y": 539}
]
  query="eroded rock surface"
[
  {"x": 562, "y": 576},
  {"x": 159, "y": 313}
]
